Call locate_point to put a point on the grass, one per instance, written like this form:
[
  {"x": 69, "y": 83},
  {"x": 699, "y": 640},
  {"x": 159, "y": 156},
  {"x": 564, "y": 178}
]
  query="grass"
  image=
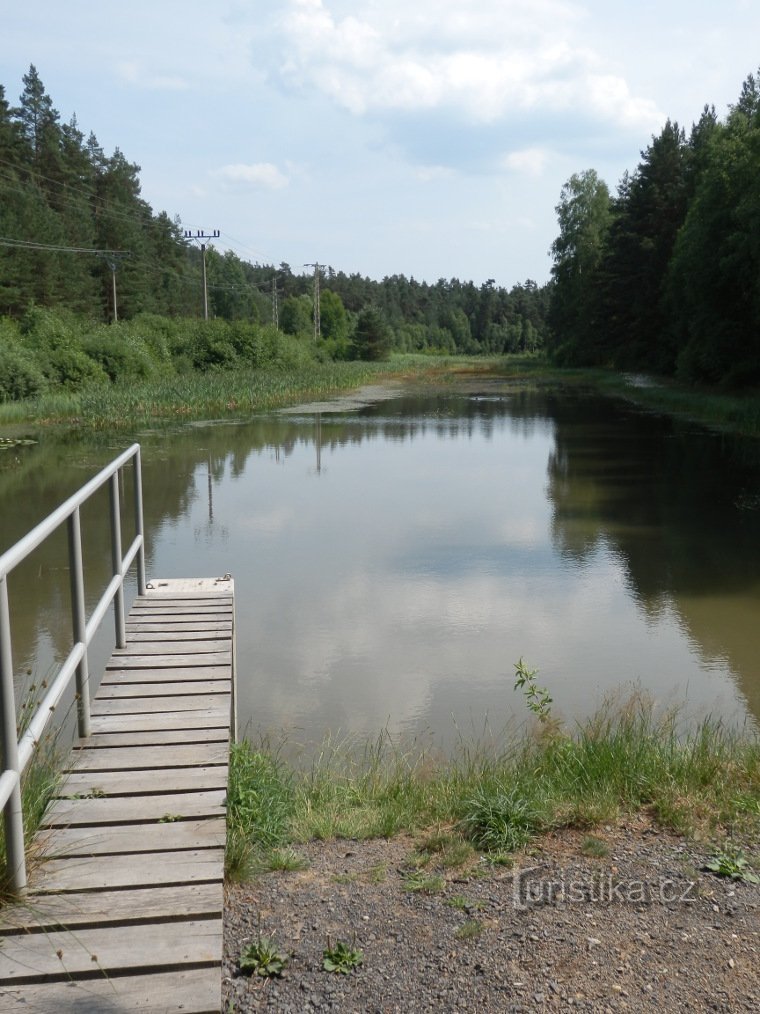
[
  {"x": 625, "y": 759},
  {"x": 39, "y": 783}
]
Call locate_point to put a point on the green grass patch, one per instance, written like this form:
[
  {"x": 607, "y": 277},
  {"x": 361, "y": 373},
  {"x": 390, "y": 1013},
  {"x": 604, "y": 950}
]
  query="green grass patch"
[{"x": 700, "y": 781}]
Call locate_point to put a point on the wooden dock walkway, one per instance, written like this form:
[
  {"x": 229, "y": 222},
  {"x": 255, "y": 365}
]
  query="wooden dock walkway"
[{"x": 124, "y": 906}]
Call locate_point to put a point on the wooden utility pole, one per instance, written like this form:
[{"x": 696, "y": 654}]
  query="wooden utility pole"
[
  {"x": 200, "y": 238},
  {"x": 317, "y": 324}
]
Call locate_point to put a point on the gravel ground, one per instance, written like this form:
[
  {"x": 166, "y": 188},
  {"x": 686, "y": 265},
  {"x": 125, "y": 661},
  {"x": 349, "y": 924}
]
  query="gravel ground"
[{"x": 643, "y": 927}]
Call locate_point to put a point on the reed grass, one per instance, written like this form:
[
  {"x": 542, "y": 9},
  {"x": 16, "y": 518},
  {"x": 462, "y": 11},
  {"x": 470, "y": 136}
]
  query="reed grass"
[{"x": 214, "y": 394}]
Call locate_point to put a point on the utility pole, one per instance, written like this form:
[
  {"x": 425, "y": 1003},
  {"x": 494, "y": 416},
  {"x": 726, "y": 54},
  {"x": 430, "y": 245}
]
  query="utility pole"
[
  {"x": 112, "y": 258},
  {"x": 200, "y": 238},
  {"x": 317, "y": 325},
  {"x": 275, "y": 308}
]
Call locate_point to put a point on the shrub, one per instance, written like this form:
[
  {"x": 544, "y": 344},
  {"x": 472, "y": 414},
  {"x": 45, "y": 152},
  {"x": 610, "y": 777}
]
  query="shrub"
[
  {"x": 20, "y": 374},
  {"x": 121, "y": 358}
]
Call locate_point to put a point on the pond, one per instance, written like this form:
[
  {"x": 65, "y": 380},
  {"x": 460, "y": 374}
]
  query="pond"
[{"x": 395, "y": 555}]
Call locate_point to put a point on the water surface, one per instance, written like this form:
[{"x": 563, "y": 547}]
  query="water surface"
[{"x": 393, "y": 561}]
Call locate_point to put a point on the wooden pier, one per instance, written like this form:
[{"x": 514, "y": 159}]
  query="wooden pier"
[{"x": 124, "y": 906}]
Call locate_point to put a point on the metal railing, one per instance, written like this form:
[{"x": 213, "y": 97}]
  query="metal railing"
[{"x": 16, "y": 753}]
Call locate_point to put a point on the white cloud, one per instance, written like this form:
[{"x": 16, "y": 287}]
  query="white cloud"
[
  {"x": 528, "y": 161},
  {"x": 486, "y": 61},
  {"x": 260, "y": 175},
  {"x": 135, "y": 74}
]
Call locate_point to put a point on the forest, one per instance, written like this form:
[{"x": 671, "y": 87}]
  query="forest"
[
  {"x": 664, "y": 276},
  {"x": 81, "y": 251}
]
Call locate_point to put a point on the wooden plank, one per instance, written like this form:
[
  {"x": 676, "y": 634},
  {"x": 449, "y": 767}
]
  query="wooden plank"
[
  {"x": 126, "y": 659},
  {"x": 113, "y": 691},
  {"x": 166, "y": 755},
  {"x": 190, "y": 991},
  {"x": 162, "y": 720},
  {"x": 179, "y": 626},
  {"x": 194, "y": 637},
  {"x": 144, "y": 781},
  {"x": 194, "y": 632},
  {"x": 151, "y": 674},
  {"x": 213, "y": 704},
  {"x": 65, "y": 842},
  {"x": 190, "y": 606},
  {"x": 145, "y": 869},
  {"x": 116, "y": 908},
  {"x": 159, "y": 737},
  {"x": 38, "y": 957},
  {"x": 174, "y": 646},
  {"x": 147, "y": 809}
]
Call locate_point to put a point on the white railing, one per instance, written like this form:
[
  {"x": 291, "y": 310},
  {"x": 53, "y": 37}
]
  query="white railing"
[{"x": 16, "y": 752}]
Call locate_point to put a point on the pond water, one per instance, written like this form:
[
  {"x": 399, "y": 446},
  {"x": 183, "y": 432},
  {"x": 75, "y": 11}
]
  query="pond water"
[{"x": 394, "y": 558}]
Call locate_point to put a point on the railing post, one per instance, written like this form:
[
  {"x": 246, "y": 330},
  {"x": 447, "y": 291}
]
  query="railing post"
[
  {"x": 13, "y": 816},
  {"x": 139, "y": 523},
  {"x": 79, "y": 622},
  {"x": 117, "y": 561}
]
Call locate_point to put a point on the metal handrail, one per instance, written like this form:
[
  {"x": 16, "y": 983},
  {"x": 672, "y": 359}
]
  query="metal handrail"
[{"x": 16, "y": 753}]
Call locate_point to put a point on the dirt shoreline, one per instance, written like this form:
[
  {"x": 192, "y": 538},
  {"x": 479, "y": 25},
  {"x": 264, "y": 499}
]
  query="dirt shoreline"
[{"x": 641, "y": 927}]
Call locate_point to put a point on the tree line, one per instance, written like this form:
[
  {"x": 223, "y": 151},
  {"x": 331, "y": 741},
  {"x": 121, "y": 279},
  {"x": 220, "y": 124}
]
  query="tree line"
[
  {"x": 71, "y": 216},
  {"x": 665, "y": 275}
]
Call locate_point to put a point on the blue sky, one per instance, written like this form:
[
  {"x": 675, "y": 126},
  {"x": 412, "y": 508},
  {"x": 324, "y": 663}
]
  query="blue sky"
[{"x": 380, "y": 136}]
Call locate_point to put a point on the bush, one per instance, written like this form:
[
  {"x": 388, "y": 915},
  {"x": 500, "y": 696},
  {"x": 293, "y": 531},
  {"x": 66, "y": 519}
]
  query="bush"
[
  {"x": 54, "y": 338},
  {"x": 119, "y": 356},
  {"x": 20, "y": 374}
]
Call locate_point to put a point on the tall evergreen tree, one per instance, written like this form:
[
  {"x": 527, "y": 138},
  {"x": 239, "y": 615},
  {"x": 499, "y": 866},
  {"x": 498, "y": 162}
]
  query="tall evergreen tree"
[{"x": 631, "y": 324}]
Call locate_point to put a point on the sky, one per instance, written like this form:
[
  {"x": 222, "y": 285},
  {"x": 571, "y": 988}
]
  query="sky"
[{"x": 429, "y": 138}]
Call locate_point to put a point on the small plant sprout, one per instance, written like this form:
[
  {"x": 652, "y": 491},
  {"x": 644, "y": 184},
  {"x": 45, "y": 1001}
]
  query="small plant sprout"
[
  {"x": 732, "y": 863},
  {"x": 341, "y": 958},
  {"x": 595, "y": 847},
  {"x": 469, "y": 929},
  {"x": 262, "y": 958},
  {"x": 537, "y": 698}
]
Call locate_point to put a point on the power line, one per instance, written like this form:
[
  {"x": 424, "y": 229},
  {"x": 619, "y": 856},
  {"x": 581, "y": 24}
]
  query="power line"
[{"x": 24, "y": 244}]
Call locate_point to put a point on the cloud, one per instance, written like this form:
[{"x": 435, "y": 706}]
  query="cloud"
[
  {"x": 484, "y": 62},
  {"x": 135, "y": 74},
  {"x": 528, "y": 161},
  {"x": 262, "y": 175}
]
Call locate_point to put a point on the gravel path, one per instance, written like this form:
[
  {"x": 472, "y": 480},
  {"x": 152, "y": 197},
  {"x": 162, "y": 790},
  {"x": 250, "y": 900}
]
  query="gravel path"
[{"x": 644, "y": 927}]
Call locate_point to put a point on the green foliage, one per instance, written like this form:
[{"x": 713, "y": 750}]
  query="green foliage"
[
  {"x": 372, "y": 337},
  {"x": 260, "y": 802},
  {"x": 666, "y": 278},
  {"x": 469, "y": 930},
  {"x": 263, "y": 958},
  {"x": 537, "y": 698},
  {"x": 121, "y": 357},
  {"x": 418, "y": 882},
  {"x": 20, "y": 374},
  {"x": 733, "y": 864},
  {"x": 340, "y": 958},
  {"x": 500, "y": 817}
]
